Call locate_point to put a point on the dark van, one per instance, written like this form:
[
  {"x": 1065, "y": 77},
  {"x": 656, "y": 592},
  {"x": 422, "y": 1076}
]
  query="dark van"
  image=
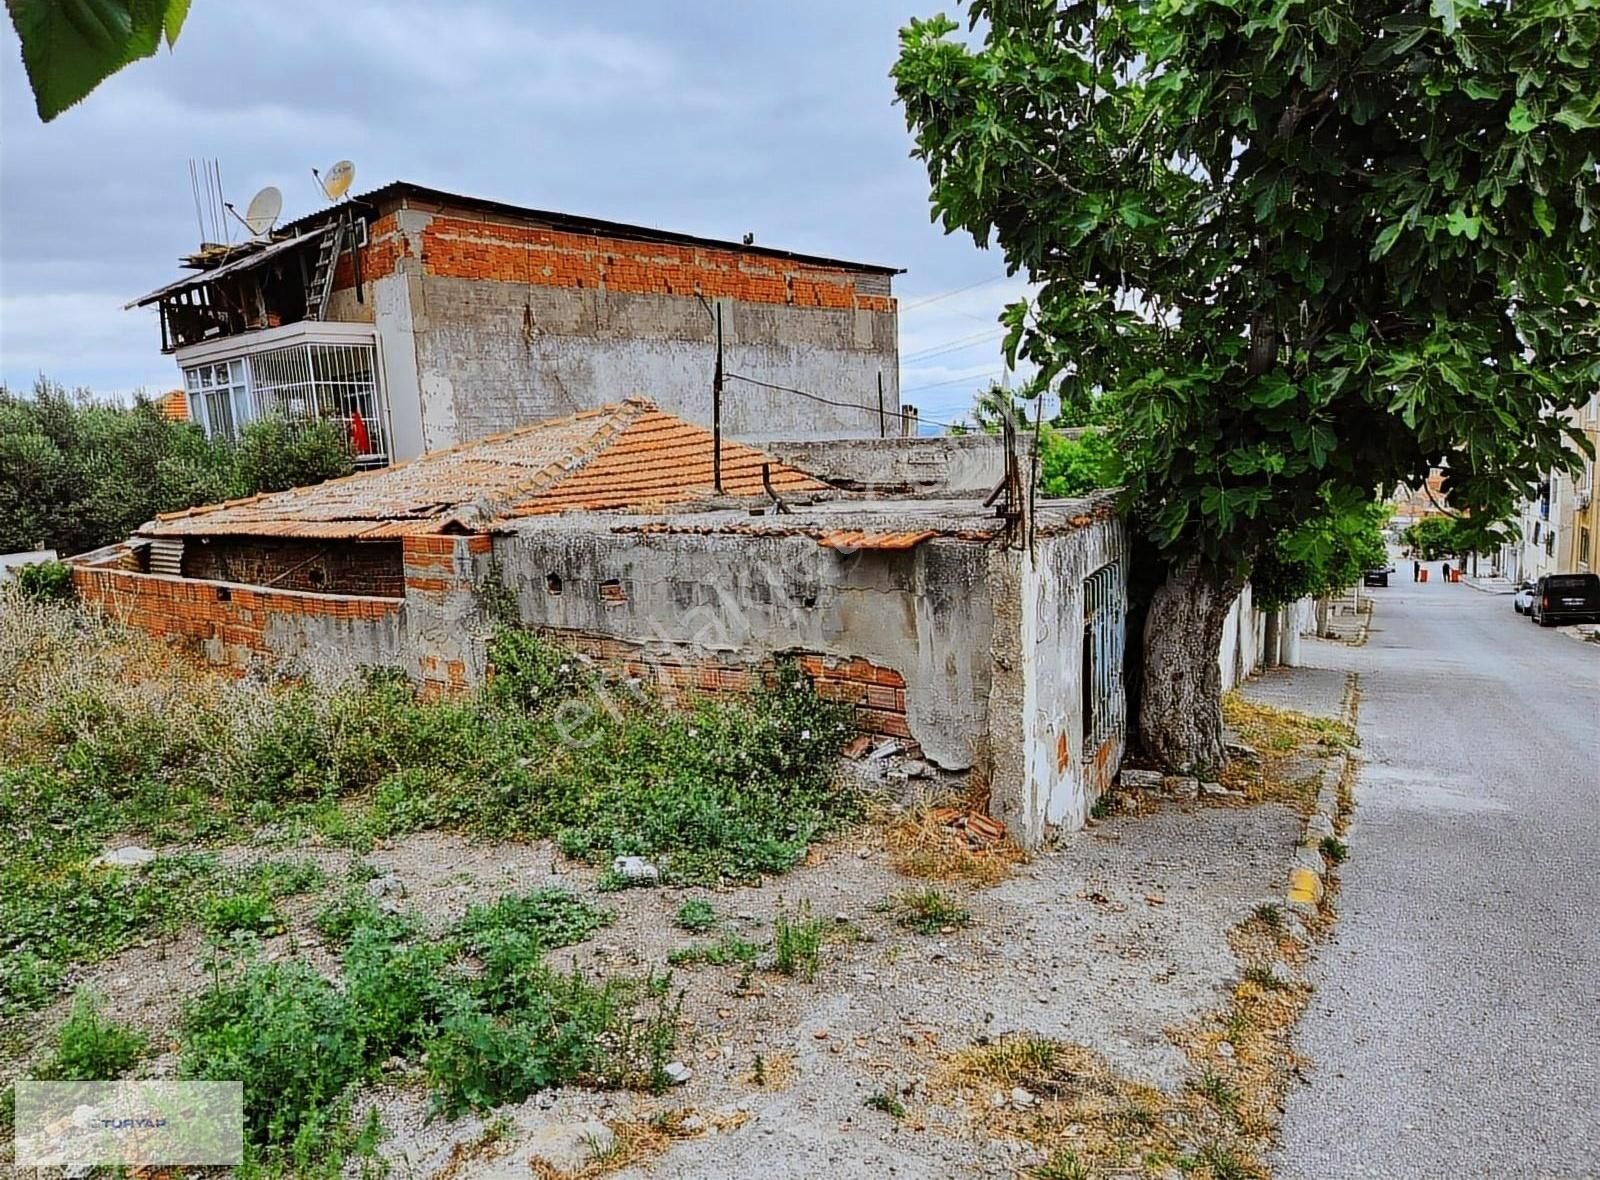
[{"x": 1566, "y": 598}]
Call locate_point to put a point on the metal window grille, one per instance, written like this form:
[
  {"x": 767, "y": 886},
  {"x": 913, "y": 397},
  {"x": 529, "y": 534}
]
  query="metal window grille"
[
  {"x": 310, "y": 382},
  {"x": 1105, "y": 612}
]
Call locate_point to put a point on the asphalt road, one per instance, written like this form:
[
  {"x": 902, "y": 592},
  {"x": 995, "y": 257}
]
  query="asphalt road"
[{"x": 1455, "y": 1029}]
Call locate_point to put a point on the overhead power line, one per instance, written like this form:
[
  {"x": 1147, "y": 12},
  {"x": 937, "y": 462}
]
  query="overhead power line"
[
  {"x": 817, "y": 397},
  {"x": 953, "y": 346},
  {"x": 916, "y": 303}
]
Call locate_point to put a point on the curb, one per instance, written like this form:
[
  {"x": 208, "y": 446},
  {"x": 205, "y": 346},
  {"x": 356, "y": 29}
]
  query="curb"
[
  {"x": 1309, "y": 868},
  {"x": 1308, "y": 871}
]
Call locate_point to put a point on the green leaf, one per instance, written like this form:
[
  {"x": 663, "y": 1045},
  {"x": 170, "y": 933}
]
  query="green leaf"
[
  {"x": 70, "y": 46},
  {"x": 1577, "y": 118},
  {"x": 1386, "y": 239},
  {"x": 1522, "y": 119},
  {"x": 1542, "y": 216},
  {"x": 1445, "y": 10},
  {"x": 1460, "y": 224},
  {"x": 172, "y": 23}
]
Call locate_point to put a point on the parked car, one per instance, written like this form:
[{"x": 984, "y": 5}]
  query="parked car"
[
  {"x": 1376, "y": 577},
  {"x": 1522, "y": 600},
  {"x": 1566, "y": 598}
]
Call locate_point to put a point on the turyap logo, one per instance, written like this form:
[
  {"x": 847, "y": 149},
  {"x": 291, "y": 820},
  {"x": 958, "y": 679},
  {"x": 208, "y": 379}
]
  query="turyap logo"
[{"x": 83, "y": 1124}]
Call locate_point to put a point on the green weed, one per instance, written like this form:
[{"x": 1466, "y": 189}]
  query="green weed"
[
  {"x": 696, "y": 916},
  {"x": 928, "y": 911},
  {"x": 1335, "y": 849},
  {"x": 887, "y": 1103},
  {"x": 248, "y": 913},
  {"x": 1270, "y": 915},
  {"x": 342, "y": 916},
  {"x": 89, "y": 1047},
  {"x": 545, "y": 918},
  {"x": 1063, "y": 1165},
  {"x": 730, "y": 948},
  {"x": 797, "y": 943}
]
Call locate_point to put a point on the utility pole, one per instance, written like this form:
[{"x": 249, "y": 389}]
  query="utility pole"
[
  {"x": 883, "y": 420},
  {"x": 716, "y": 412}
]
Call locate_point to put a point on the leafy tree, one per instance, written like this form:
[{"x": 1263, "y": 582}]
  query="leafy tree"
[
  {"x": 1434, "y": 537},
  {"x": 275, "y": 454},
  {"x": 1313, "y": 247},
  {"x": 71, "y": 46},
  {"x": 76, "y": 474},
  {"x": 1077, "y": 463},
  {"x": 1322, "y": 556}
]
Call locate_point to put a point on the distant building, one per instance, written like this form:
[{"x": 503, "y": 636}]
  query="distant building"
[
  {"x": 1560, "y": 527},
  {"x": 436, "y": 319}
]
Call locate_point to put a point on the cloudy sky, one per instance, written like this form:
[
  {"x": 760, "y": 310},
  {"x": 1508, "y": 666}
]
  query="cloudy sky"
[{"x": 707, "y": 118}]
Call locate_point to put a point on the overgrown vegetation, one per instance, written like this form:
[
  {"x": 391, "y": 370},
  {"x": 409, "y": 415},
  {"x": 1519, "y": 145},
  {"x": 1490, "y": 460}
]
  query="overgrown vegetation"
[
  {"x": 696, "y": 916},
  {"x": 104, "y": 733},
  {"x": 797, "y": 943},
  {"x": 1435, "y": 537},
  {"x": 1290, "y": 748},
  {"x": 90, "y": 1047},
  {"x": 77, "y": 473}
]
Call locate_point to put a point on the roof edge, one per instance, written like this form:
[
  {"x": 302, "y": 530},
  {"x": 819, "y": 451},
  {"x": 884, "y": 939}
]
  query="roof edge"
[{"x": 399, "y": 190}]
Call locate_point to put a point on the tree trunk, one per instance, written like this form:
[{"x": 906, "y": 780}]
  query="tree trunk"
[
  {"x": 1180, "y": 710},
  {"x": 1272, "y": 639},
  {"x": 1322, "y": 616}
]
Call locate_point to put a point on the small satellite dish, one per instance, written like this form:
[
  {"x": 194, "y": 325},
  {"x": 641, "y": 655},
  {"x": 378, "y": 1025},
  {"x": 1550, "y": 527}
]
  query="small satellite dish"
[
  {"x": 337, "y": 182},
  {"x": 263, "y": 210}
]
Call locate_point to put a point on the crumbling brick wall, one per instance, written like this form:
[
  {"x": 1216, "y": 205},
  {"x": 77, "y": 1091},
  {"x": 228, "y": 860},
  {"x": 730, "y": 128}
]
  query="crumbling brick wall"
[
  {"x": 877, "y": 693},
  {"x": 235, "y": 625},
  {"x": 283, "y": 563}
]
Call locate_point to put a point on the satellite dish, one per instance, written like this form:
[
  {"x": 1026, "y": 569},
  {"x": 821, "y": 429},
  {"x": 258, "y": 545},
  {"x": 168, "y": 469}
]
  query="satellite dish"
[
  {"x": 337, "y": 182},
  {"x": 263, "y": 210}
]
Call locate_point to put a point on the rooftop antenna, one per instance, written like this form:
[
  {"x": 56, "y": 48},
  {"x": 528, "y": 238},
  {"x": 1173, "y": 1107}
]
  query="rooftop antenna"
[
  {"x": 338, "y": 180},
  {"x": 261, "y": 213}
]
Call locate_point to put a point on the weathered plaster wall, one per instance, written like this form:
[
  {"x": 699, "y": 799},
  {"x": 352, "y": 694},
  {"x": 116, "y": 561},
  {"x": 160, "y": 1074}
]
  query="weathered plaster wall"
[
  {"x": 447, "y": 630},
  {"x": 495, "y": 355},
  {"x": 922, "y": 613},
  {"x": 487, "y": 324},
  {"x": 1242, "y": 638},
  {"x": 1043, "y": 775}
]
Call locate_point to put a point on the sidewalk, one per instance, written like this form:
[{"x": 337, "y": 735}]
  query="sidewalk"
[{"x": 1493, "y": 584}]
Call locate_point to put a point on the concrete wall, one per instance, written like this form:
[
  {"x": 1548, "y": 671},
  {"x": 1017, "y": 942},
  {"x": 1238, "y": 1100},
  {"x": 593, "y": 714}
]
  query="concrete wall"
[
  {"x": 949, "y": 465},
  {"x": 490, "y": 324},
  {"x": 923, "y": 614},
  {"x": 1043, "y": 772}
]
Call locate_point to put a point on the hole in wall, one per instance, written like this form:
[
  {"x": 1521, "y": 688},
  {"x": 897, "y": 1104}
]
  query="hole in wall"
[
  {"x": 552, "y": 583},
  {"x": 224, "y": 594},
  {"x": 611, "y": 590}
]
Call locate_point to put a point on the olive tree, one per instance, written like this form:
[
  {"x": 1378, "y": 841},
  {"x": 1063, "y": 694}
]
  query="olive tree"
[{"x": 1313, "y": 248}]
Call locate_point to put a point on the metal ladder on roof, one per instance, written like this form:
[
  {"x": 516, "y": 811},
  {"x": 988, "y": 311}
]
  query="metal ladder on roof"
[{"x": 320, "y": 288}]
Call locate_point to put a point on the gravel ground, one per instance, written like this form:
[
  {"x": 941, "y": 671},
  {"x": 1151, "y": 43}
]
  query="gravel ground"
[
  {"x": 1110, "y": 939},
  {"x": 1456, "y": 1027}
]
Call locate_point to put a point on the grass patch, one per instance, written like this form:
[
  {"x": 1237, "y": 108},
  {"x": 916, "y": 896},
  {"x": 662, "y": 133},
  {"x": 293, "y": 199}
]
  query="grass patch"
[
  {"x": 107, "y": 735},
  {"x": 1335, "y": 849},
  {"x": 354, "y": 909},
  {"x": 727, "y": 950},
  {"x": 797, "y": 943},
  {"x": 540, "y": 918},
  {"x": 1289, "y": 746},
  {"x": 251, "y": 912},
  {"x": 928, "y": 911},
  {"x": 696, "y": 916},
  {"x": 89, "y": 1047}
]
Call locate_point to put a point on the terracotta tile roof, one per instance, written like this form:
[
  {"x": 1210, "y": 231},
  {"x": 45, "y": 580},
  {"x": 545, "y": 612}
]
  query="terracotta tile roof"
[
  {"x": 848, "y": 539},
  {"x": 624, "y": 456},
  {"x": 173, "y": 406}
]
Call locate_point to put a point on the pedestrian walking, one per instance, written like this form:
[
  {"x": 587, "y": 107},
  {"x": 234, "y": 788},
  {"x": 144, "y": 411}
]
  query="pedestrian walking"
[
  {"x": 1416, "y": 571},
  {"x": 1444, "y": 571}
]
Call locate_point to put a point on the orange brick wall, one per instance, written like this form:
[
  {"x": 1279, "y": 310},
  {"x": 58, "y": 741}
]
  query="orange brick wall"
[
  {"x": 878, "y": 693},
  {"x": 229, "y": 620}
]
